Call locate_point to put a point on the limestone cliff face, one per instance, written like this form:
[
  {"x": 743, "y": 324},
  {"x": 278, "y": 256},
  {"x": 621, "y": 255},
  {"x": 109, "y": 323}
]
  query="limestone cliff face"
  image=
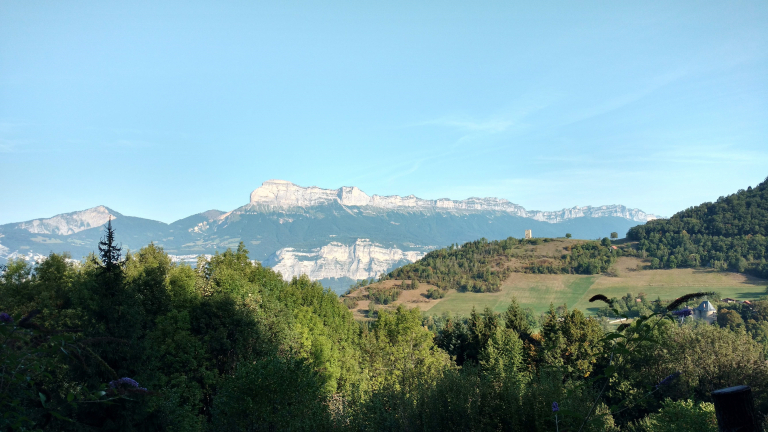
[
  {"x": 69, "y": 223},
  {"x": 282, "y": 194},
  {"x": 30, "y": 257},
  {"x": 361, "y": 260}
]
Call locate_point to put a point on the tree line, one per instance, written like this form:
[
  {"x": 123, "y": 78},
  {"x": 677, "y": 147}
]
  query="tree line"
[
  {"x": 142, "y": 343},
  {"x": 729, "y": 234}
]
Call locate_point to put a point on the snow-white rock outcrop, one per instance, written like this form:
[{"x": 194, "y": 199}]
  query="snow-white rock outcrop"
[
  {"x": 284, "y": 195},
  {"x": 189, "y": 259},
  {"x": 68, "y": 223},
  {"x": 30, "y": 257},
  {"x": 361, "y": 260}
]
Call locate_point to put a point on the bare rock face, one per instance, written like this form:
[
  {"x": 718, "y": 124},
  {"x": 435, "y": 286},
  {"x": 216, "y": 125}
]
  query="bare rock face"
[
  {"x": 69, "y": 223},
  {"x": 281, "y": 193},
  {"x": 30, "y": 257},
  {"x": 284, "y": 195},
  {"x": 361, "y": 260}
]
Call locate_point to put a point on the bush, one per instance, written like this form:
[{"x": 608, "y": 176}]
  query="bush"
[
  {"x": 677, "y": 416},
  {"x": 273, "y": 393},
  {"x": 384, "y": 295},
  {"x": 435, "y": 293}
]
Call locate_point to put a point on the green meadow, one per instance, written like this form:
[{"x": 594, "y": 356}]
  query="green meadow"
[{"x": 538, "y": 291}]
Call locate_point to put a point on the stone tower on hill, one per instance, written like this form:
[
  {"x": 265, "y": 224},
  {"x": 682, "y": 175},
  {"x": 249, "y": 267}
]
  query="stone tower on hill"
[{"x": 706, "y": 312}]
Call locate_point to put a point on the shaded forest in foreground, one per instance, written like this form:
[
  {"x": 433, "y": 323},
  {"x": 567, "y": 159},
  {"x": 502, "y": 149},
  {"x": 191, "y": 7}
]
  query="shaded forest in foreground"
[{"x": 141, "y": 343}]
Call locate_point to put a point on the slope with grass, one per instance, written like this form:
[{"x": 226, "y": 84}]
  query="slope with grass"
[
  {"x": 692, "y": 251},
  {"x": 628, "y": 275}
]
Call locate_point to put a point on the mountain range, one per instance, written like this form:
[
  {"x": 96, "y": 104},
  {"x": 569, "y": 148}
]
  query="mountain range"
[{"x": 333, "y": 235}]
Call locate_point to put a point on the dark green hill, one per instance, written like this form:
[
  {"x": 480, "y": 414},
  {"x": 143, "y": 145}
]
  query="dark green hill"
[
  {"x": 482, "y": 265},
  {"x": 729, "y": 233}
]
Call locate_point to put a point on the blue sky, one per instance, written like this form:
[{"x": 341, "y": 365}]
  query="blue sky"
[{"x": 165, "y": 109}]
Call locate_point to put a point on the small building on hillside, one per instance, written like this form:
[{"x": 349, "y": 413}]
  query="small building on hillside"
[
  {"x": 528, "y": 234},
  {"x": 706, "y": 312},
  {"x": 729, "y": 300}
]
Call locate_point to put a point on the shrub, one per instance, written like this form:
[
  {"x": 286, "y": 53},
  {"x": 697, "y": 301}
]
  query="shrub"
[
  {"x": 677, "y": 416},
  {"x": 384, "y": 295},
  {"x": 435, "y": 293}
]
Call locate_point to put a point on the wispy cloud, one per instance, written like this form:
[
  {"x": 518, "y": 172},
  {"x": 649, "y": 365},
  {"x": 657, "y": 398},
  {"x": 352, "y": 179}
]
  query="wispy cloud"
[
  {"x": 9, "y": 126},
  {"x": 494, "y": 125},
  {"x": 712, "y": 154},
  {"x": 12, "y": 145},
  {"x": 126, "y": 143},
  {"x": 687, "y": 155},
  {"x": 509, "y": 118},
  {"x": 9, "y": 129},
  {"x": 619, "y": 101},
  {"x": 404, "y": 173}
]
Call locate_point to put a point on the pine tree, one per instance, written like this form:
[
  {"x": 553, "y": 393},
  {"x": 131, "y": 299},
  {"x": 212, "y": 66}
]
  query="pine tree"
[
  {"x": 109, "y": 252},
  {"x": 554, "y": 344},
  {"x": 113, "y": 306},
  {"x": 516, "y": 320}
]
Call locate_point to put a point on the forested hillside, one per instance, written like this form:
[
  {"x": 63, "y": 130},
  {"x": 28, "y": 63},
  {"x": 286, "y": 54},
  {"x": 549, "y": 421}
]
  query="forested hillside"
[
  {"x": 139, "y": 343},
  {"x": 482, "y": 265},
  {"x": 727, "y": 234}
]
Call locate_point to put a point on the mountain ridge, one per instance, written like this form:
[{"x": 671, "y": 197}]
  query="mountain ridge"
[
  {"x": 286, "y": 195},
  {"x": 345, "y": 233}
]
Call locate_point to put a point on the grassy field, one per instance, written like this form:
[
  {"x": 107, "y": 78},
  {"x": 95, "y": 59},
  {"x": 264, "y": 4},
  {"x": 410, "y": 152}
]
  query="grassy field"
[
  {"x": 538, "y": 291},
  {"x": 534, "y": 291}
]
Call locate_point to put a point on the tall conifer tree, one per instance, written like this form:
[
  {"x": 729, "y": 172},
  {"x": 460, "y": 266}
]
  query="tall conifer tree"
[{"x": 109, "y": 252}]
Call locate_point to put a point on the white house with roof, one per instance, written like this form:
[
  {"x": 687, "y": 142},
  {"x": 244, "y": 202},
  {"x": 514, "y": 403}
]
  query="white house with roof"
[{"x": 705, "y": 311}]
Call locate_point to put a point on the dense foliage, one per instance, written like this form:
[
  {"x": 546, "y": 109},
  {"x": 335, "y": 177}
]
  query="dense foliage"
[
  {"x": 727, "y": 234},
  {"x": 142, "y": 343},
  {"x": 474, "y": 266},
  {"x": 482, "y": 265}
]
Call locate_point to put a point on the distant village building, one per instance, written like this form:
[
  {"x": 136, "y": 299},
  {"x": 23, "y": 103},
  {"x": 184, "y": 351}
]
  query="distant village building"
[
  {"x": 706, "y": 312},
  {"x": 528, "y": 234},
  {"x": 729, "y": 300}
]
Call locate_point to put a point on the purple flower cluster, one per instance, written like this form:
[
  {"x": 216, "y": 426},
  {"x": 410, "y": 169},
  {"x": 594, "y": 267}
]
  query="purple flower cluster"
[
  {"x": 682, "y": 313},
  {"x": 127, "y": 381},
  {"x": 4, "y": 317},
  {"x": 555, "y": 407},
  {"x": 668, "y": 380}
]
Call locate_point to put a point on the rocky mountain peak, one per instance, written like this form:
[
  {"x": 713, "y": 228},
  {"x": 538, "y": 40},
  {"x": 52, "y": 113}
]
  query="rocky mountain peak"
[
  {"x": 69, "y": 223},
  {"x": 284, "y": 194},
  {"x": 281, "y": 193}
]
